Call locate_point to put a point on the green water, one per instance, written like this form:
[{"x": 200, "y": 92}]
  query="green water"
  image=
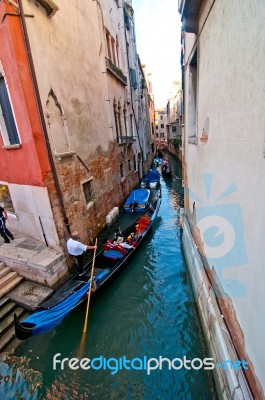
[{"x": 147, "y": 310}]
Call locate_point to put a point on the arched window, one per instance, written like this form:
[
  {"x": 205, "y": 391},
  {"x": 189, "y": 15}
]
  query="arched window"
[
  {"x": 115, "y": 110},
  {"x": 125, "y": 120},
  {"x": 57, "y": 124}
]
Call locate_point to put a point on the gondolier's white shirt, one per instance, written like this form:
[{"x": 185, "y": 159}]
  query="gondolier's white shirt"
[{"x": 75, "y": 248}]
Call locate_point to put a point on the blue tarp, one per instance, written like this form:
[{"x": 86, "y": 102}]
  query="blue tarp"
[
  {"x": 138, "y": 195},
  {"x": 152, "y": 176},
  {"x": 113, "y": 254},
  {"x": 158, "y": 161},
  {"x": 47, "y": 319}
]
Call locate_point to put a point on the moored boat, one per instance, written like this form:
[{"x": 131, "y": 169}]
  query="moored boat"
[
  {"x": 112, "y": 258},
  {"x": 137, "y": 201},
  {"x": 151, "y": 179},
  {"x": 158, "y": 161}
]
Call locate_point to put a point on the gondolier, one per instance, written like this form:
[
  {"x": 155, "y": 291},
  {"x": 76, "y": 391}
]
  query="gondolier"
[{"x": 77, "y": 250}]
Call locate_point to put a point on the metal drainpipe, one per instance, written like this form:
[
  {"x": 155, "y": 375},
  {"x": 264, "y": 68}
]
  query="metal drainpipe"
[{"x": 37, "y": 94}]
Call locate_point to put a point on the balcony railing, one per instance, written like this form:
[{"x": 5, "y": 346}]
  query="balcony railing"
[{"x": 114, "y": 70}]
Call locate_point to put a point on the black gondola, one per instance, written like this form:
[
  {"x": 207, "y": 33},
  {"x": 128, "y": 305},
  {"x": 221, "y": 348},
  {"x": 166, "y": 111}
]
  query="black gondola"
[
  {"x": 107, "y": 262},
  {"x": 165, "y": 168}
]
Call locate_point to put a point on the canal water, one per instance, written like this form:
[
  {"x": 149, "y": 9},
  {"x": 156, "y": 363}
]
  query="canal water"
[{"x": 147, "y": 311}]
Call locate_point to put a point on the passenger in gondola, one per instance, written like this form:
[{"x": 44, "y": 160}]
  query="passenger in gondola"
[
  {"x": 120, "y": 241},
  {"x": 118, "y": 234}
]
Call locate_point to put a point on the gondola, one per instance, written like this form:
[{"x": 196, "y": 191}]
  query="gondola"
[
  {"x": 108, "y": 262},
  {"x": 151, "y": 179},
  {"x": 137, "y": 201},
  {"x": 165, "y": 168}
]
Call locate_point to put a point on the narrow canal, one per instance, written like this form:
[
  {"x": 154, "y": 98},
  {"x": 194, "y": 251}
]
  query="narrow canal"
[{"x": 147, "y": 310}]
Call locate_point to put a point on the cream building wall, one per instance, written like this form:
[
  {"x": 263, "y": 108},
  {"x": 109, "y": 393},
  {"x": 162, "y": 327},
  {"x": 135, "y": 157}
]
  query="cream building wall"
[{"x": 224, "y": 160}]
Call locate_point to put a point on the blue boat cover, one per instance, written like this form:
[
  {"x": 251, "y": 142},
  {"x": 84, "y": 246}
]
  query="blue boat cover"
[
  {"x": 158, "y": 161},
  {"x": 112, "y": 254},
  {"x": 138, "y": 195},
  {"x": 152, "y": 176},
  {"x": 47, "y": 319}
]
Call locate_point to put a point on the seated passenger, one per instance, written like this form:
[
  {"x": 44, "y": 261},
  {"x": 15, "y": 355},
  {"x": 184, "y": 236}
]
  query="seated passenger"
[
  {"x": 123, "y": 244},
  {"x": 118, "y": 234}
]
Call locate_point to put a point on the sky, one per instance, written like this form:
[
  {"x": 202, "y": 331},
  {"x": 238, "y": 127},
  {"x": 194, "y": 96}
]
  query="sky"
[{"x": 157, "y": 25}]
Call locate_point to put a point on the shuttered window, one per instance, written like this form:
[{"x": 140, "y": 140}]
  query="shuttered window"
[{"x": 7, "y": 122}]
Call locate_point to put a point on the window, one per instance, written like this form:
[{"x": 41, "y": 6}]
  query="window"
[
  {"x": 156, "y": 126},
  {"x": 7, "y": 121},
  {"x": 135, "y": 162},
  {"x": 192, "y": 117},
  {"x": 162, "y": 125},
  {"x": 49, "y": 6},
  {"x": 88, "y": 191},
  {"x": 108, "y": 179},
  {"x": 174, "y": 129},
  {"x": 5, "y": 199},
  {"x": 161, "y": 116},
  {"x": 125, "y": 120},
  {"x": 117, "y": 125},
  {"x": 129, "y": 165},
  {"x": 131, "y": 124},
  {"x": 121, "y": 171},
  {"x": 57, "y": 124},
  {"x": 112, "y": 48},
  {"x": 133, "y": 78}
]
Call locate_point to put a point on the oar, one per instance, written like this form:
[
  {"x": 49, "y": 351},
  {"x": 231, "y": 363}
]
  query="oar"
[{"x": 83, "y": 339}]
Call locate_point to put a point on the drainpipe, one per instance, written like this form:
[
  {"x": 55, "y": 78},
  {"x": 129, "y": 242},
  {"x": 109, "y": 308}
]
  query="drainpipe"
[{"x": 37, "y": 94}]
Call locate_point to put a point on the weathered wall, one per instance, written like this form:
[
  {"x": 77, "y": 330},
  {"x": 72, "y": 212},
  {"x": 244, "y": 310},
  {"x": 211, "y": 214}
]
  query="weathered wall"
[
  {"x": 33, "y": 209},
  {"x": 77, "y": 97},
  {"x": 225, "y": 167},
  {"x": 230, "y": 383}
]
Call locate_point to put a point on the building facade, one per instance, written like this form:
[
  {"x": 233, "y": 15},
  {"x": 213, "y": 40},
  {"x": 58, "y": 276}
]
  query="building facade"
[
  {"x": 174, "y": 120},
  {"x": 223, "y": 58},
  {"x": 74, "y": 129},
  {"x": 161, "y": 128}
]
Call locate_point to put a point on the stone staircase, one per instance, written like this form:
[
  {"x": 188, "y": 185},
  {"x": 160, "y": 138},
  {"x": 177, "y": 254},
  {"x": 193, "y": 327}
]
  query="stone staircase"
[{"x": 8, "y": 281}]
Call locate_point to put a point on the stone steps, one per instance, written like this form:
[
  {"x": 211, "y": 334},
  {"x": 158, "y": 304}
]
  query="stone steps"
[
  {"x": 8, "y": 321},
  {"x": 6, "y": 309},
  {"x": 10, "y": 285},
  {"x": 7, "y": 328},
  {"x": 4, "y": 271},
  {"x": 7, "y": 278}
]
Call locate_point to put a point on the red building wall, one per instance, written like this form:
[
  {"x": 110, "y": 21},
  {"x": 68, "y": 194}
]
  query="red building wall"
[{"x": 29, "y": 163}]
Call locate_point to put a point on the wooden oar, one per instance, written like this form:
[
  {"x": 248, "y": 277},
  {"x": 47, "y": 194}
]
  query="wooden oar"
[{"x": 83, "y": 339}]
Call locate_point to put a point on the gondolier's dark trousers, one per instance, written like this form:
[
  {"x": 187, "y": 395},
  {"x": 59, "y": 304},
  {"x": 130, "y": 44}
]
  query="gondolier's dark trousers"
[
  {"x": 4, "y": 232},
  {"x": 80, "y": 261}
]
